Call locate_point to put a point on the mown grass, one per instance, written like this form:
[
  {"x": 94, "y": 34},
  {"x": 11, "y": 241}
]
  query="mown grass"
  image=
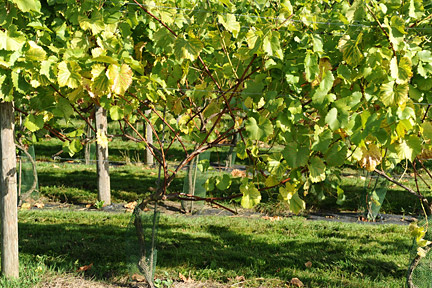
[
  {"x": 216, "y": 248},
  {"x": 74, "y": 183},
  {"x": 209, "y": 248}
]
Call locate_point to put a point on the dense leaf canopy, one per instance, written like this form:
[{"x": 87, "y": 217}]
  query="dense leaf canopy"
[{"x": 329, "y": 81}]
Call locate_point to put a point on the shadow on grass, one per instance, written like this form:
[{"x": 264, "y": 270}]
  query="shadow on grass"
[
  {"x": 66, "y": 247},
  {"x": 78, "y": 187},
  {"x": 396, "y": 202},
  {"x": 216, "y": 251}
]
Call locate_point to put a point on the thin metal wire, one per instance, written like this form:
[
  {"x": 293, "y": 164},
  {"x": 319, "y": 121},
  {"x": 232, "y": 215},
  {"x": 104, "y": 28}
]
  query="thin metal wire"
[{"x": 361, "y": 24}]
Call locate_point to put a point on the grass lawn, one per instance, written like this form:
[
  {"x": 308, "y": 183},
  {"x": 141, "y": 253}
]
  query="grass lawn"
[
  {"x": 216, "y": 248},
  {"x": 228, "y": 250}
]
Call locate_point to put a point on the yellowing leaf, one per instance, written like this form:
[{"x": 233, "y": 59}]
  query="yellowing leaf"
[
  {"x": 35, "y": 52},
  {"x": 271, "y": 181},
  {"x": 426, "y": 154},
  {"x": 100, "y": 82},
  {"x": 120, "y": 78},
  {"x": 394, "y": 94},
  {"x": 271, "y": 45},
  {"x": 27, "y": 5},
  {"x": 187, "y": 48},
  {"x": 11, "y": 40},
  {"x": 230, "y": 23},
  {"x": 251, "y": 195},
  {"x": 69, "y": 74},
  {"x": 371, "y": 157},
  {"x": 260, "y": 129},
  {"x": 102, "y": 139},
  {"x": 402, "y": 73},
  {"x": 409, "y": 148},
  {"x": 25, "y": 206},
  {"x": 290, "y": 194},
  {"x": 351, "y": 52},
  {"x": 421, "y": 252},
  {"x": 427, "y": 130},
  {"x": 317, "y": 170}
]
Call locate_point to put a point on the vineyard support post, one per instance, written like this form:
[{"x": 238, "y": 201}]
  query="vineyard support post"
[
  {"x": 104, "y": 186},
  {"x": 9, "y": 198}
]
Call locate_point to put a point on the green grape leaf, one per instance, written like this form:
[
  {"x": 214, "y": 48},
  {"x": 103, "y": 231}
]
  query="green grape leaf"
[
  {"x": 116, "y": 113},
  {"x": 416, "y": 9},
  {"x": 47, "y": 69},
  {"x": 260, "y": 129},
  {"x": 394, "y": 94},
  {"x": 321, "y": 94},
  {"x": 35, "y": 52},
  {"x": 251, "y": 195},
  {"x": 28, "y": 5},
  {"x": 317, "y": 170},
  {"x": 336, "y": 155},
  {"x": 34, "y": 122},
  {"x": 295, "y": 155},
  {"x": 12, "y": 40},
  {"x": 187, "y": 49},
  {"x": 6, "y": 88},
  {"x": 340, "y": 196},
  {"x": 332, "y": 119},
  {"x": 290, "y": 194},
  {"x": 230, "y": 23},
  {"x": 322, "y": 141},
  {"x": 120, "y": 78},
  {"x": 223, "y": 182},
  {"x": 271, "y": 45},
  {"x": 100, "y": 82},
  {"x": 371, "y": 157},
  {"x": 19, "y": 81},
  {"x": 75, "y": 146},
  {"x": 396, "y": 31},
  {"x": 409, "y": 148},
  {"x": 271, "y": 181},
  {"x": 427, "y": 130},
  {"x": 63, "y": 108},
  {"x": 402, "y": 73},
  {"x": 241, "y": 151},
  {"x": 425, "y": 56},
  {"x": 311, "y": 66},
  {"x": 351, "y": 52},
  {"x": 69, "y": 74}
]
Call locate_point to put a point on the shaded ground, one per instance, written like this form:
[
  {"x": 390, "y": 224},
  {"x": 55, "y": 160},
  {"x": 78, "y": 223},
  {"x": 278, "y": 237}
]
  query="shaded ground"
[
  {"x": 73, "y": 281},
  {"x": 172, "y": 207}
]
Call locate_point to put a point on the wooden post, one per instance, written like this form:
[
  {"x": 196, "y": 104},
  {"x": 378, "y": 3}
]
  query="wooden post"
[
  {"x": 149, "y": 136},
  {"x": 8, "y": 188},
  {"x": 104, "y": 189}
]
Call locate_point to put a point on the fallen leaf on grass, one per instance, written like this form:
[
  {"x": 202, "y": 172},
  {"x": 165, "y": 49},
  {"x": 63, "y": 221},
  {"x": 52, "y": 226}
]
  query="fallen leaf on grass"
[
  {"x": 238, "y": 173},
  {"x": 184, "y": 278},
  {"x": 296, "y": 282},
  {"x": 39, "y": 205},
  {"x": 308, "y": 264},
  {"x": 240, "y": 278},
  {"x": 138, "y": 278},
  {"x": 130, "y": 205},
  {"x": 274, "y": 218},
  {"x": 88, "y": 205},
  {"x": 85, "y": 267},
  {"x": 25, "y": 206}
]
